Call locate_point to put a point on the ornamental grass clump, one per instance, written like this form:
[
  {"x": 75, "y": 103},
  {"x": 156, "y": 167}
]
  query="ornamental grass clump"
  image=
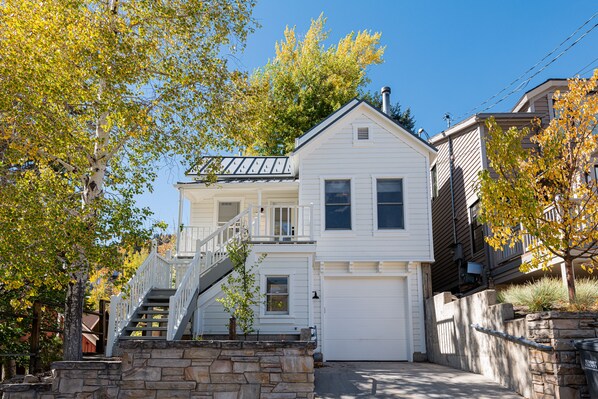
[{"x": 550, "y": 293}]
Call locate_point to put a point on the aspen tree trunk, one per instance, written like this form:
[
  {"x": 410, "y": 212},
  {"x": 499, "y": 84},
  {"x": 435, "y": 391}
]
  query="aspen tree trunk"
[
  {"x": 570, "y": 279},
  {"x": 93, "y": 186}
]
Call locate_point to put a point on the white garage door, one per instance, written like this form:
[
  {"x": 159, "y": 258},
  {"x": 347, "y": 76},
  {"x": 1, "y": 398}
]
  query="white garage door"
[{"x": 365, "y": 318}]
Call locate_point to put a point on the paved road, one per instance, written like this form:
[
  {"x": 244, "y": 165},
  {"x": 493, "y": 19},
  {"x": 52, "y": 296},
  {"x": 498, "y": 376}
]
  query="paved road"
[{"x": 345, "y": 380}]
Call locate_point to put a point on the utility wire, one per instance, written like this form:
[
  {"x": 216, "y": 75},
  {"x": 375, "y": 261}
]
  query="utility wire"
[
  {"x": 522, "y": 85},
  {"x": 586, "y": 69}
]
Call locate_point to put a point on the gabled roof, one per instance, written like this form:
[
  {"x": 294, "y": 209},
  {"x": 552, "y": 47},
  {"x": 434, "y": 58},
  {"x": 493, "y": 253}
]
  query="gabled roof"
[
  {"x": 533, "y": 92},
  {"x": 235, "y": 167},
  {"x": 341, "y": 112}
]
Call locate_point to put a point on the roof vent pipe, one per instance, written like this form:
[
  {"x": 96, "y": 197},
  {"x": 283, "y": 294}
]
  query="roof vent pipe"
[{"x": 385, "y": 100}]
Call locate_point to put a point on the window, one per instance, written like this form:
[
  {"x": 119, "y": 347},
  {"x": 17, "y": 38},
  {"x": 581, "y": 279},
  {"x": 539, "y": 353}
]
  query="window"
[
  {"x": 227, "y": 211},
  {"x": 477, "y": 229},
  {"x": 596, "y": 172},
  {"x": 390, "y": 204},
  {"x": 277, "y": 294},
  {"x": 434, "y": 182},
  {"x": 337, "y": 200}
]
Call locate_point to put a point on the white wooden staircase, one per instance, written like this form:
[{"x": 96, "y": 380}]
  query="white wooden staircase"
[{"x": 160, "y": 300}]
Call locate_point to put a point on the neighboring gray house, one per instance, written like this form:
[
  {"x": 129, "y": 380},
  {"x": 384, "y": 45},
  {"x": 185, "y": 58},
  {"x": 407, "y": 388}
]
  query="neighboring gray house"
[{"x": 464, "y": 262}]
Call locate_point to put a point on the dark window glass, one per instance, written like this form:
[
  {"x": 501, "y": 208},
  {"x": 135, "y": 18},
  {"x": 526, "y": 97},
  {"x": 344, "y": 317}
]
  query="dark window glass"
[
  {"x": 477, "y": 229},
  {"x": 390, "y": 204},
  {"x": 337, "y": 199},
  {"x": 277, "y": 294}
]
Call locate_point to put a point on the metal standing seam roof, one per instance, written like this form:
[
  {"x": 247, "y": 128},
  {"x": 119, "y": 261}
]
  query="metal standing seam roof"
[{"x": 240, "y": 167}]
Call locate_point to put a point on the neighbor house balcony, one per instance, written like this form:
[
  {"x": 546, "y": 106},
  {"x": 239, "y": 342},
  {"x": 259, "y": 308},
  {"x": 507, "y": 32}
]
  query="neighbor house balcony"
[
  {"x": 265, "y": 224},
  {"x": 522, "y": 248}
]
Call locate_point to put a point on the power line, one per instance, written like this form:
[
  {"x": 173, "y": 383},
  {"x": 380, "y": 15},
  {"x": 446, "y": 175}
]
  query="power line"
[
  {"x": 523, "y": 84},
  {"x": 583, "y": 70}
]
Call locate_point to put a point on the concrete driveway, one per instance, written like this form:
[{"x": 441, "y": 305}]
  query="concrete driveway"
[{"x": 403, "y": 380}]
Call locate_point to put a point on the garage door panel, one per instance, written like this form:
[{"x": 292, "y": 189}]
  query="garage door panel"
[
  {"x": 379, "y": 306},
  {"x": 365, "y": 318}
]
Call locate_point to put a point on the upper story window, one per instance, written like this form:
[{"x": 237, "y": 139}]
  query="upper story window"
[
  {"x": 277, "y": 294},
  {"x": 337, "y": 200},
  {"x": 390, "y": 204},
  {"x": 477, "y": 229},
  {"x": 227, "y": 211},
  {"x": 362, "y": 135},
  {"x": 434, "y": 175}
]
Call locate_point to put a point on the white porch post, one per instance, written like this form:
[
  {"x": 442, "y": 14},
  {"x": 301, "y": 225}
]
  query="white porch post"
[
  {"x": 178, "y": 227},
  {"x": 259, "y": 212}
]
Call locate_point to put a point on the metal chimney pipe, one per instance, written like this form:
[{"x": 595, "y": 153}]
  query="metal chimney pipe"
[{"x": 385, "y": 100}]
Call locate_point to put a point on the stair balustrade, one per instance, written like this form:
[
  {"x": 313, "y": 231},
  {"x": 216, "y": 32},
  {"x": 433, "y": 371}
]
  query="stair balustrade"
[
  {"x": 153, "y": 273},
  {"x": 209, "y": 252}
]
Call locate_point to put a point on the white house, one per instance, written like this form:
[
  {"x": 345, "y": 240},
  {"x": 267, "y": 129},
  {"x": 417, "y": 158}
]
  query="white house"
[{"x": 344, "y": 222}]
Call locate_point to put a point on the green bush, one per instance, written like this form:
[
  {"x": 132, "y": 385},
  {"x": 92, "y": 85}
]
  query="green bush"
[{"x": 550, "y": 293}]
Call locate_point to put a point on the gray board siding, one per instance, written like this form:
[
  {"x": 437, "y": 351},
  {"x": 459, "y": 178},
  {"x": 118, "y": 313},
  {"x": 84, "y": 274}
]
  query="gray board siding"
[{"x": 467, "y": 164}]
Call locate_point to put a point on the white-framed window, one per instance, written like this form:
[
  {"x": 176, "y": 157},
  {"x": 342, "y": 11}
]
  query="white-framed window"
[
  {"x": 337, "y": 204},
  {"x": 227, "y": 210},
  {"x": 277, "y": 295},
  {"x": 362, "y": 135},
  {"x": 390, "y": 206},
  {"x": 434, "y": 177}
]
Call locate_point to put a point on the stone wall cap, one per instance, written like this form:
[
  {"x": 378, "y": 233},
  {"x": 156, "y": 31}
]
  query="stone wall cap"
[
  {"x": 560, "y": 314},
  {"x": 83, "y": 364},
  {"x": 217, "y": 344}
]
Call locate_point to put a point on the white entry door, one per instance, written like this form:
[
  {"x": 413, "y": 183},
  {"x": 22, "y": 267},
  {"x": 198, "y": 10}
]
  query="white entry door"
[{"x": 365, "y": 318}]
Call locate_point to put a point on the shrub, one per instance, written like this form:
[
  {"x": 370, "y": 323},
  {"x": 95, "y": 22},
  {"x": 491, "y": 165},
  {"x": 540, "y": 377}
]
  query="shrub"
[{"x": 550, "y": 293}]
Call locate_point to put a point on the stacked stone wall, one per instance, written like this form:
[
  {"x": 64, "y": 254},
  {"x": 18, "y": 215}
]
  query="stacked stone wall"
[{"x": 184, "y": 369}]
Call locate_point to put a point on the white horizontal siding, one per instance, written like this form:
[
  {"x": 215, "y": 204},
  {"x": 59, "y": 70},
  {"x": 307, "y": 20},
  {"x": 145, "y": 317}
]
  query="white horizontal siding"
[
  {"x": 215, "y": 319},
  {"x": 388, "y": 156}
]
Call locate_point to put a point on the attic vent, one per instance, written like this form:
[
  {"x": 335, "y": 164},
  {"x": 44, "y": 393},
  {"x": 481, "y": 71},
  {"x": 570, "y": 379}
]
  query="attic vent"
[{"x": 363, "y": 133}]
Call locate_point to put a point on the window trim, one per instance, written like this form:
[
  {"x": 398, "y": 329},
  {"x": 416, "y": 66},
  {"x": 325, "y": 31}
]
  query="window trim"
[
  {"x": 217, "y": 199},
  {"x": 471, "y": 235},
  {"x": 334, "y": 232},
  {"x": 362, "y": 143},
  {"x": 268, "y": 317},
  {"x": 288, "y": 294},
  {"x": 393, "y": 232},
  {"x": 434, "y": 181}
]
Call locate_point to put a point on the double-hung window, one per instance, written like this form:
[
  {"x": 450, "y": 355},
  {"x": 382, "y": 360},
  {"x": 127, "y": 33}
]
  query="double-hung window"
[
  {"x": 337, "y": 200},
  {"x": 390, "y": 205},
  {"x": 277, "y": 294}
]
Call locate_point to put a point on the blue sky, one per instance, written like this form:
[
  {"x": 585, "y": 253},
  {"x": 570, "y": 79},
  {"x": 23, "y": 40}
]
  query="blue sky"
[{"x": 441, "y": 56}]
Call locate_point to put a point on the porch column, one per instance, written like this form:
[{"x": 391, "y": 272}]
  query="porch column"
[
  {"x": 179, "y": 231},
  {"x": 259, "y": 212}
]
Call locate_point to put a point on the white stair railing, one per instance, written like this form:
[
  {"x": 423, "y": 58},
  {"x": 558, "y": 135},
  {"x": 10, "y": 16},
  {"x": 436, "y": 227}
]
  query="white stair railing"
[
  {"x": 209, "y": 252},
  {"x": 151, "y": 274}
]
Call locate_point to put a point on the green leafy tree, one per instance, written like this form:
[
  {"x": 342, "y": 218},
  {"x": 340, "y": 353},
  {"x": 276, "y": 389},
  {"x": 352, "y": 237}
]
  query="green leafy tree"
[
  {"x": 93, "y": 93},
  {"x": 241, "y": 291},
  {"x": 304, "y": 83},
  {"x": 403, "y": 118},
  {"x": 547, "y": 190}
]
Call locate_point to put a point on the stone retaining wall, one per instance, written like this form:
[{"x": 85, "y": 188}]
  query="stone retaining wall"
[
  {"x": 185, "y": 369},
  {"x": 533, "y": 373}
]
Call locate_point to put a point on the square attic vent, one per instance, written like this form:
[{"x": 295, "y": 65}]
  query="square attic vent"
[{"x": 363, "y": 133}]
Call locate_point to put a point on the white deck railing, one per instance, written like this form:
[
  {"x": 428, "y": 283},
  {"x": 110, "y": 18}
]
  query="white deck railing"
[
  {"x": 269, "y": 223},
  {"x": 209, "y": 252}
]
